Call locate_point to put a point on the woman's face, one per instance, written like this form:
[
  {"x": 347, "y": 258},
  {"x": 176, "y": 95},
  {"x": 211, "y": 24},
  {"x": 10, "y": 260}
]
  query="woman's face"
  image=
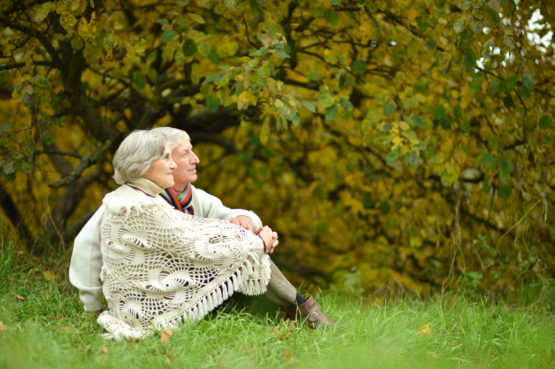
[{"x": 161, "y": 170}]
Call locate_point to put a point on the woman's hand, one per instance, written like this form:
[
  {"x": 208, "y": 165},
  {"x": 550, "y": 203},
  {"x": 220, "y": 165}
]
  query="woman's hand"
[
  {"x": 269, "y": 237},
  {"x": 244, "y": 221}
]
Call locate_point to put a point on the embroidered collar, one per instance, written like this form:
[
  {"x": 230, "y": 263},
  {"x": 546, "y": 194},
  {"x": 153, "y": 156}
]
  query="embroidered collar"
[{"x": 146, "y": 186}]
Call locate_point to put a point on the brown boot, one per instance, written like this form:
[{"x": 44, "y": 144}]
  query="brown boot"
[{"x": 311, "y": 313}]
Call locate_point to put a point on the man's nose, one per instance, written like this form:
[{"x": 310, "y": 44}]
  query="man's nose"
[{"x": 195, "y": 158}]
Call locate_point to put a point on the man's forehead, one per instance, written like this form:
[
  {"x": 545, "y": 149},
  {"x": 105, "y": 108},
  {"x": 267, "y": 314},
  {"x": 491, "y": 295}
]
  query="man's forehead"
[{"x": 184, "y": 146}]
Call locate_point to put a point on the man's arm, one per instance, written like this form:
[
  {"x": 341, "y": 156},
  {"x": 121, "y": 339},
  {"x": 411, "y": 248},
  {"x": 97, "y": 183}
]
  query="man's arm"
[
  {"x": 86, "y": 263},
  {"x": 209, "y": 206}
]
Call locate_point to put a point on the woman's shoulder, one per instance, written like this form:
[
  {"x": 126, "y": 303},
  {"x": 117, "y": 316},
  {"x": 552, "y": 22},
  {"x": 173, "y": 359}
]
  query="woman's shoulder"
[{"x": 128, "y": 200}]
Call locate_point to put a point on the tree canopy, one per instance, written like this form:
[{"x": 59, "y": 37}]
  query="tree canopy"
[{"x": 392, "y": 144}]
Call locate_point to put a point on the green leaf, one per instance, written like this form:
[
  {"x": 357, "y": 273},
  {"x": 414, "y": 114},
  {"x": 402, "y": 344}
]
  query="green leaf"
[
  {"x": 486, "y": 187},
  {"x": 389, "y": 108},
  {"x": 458, "y": 27},
  {"x": 309, "y": 106},
  {"x": 510, "y": 6},
  {"x": 545, "y": 122},
  {"x": 139, "y": 80},
  {"x": 384, "y": 207},
  {"x": 214, "y": 57},
  {"x": 358, "y": 66},
  {"x": 4, "y": 127},
  {"x": 48, "y": 137},
  {"x": 508, "y": 101},
  {"x": 525, "y": 92},
  {"x": 168, "y": 35},
  {"x": 331, "y": 112},
  {"x": 313, "y": 76},
  {"x": 326, "y": 100},
  {"x": 469, "y": 61},
  {"x": 438, "y": 112},
  {"x": 189, "y": 47},
  {"x": 418, "y": 121},
  {"x": 282, "y": 54},
  {"x": 412, "y": 159},
  {"x": 332, "y": 17},
  {"x": 509, "y": 83},
  {"x": 317, "y": 11},
  {"x": 25, "y": 167},
  {"x": 528, "y": 81},
  {"x": 294, "y": 118},
  {"x": 495, "y": 86},
  {"x": 465, "y": 126},
  {"x": 8, "y": 168},
  {"x": 77, "y": 43},
  {"x": 492, "y": 16},
  {"x": 254, "y": 6},
  {"x": 506, "y": 165},
  {"x": 212, "y": 102},
  {"x": 204, "y": 48},
  {"x": 214, "y": 77},
  {"x": 393, "y": 155},
  {"x": 182, "y": 23},
  {"x": 486, "y": 159},
  {"x": 505, "y": 191}
]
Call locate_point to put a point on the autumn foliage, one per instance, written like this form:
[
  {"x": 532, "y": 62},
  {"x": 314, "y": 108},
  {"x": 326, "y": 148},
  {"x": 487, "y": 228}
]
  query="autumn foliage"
[{"x": 392, "y": 144}]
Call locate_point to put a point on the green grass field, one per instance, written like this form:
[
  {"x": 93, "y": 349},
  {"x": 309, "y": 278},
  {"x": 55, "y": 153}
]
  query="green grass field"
[{"x": 43, "y": 326}]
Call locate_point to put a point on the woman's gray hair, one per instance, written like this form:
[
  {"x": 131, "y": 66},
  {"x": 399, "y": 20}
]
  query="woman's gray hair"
[
  {"x": 174, "y": 136},
  {"x": 136, "y": 153}
]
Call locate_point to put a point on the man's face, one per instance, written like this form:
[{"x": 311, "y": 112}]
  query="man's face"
[{"x": 186, "y": 161}]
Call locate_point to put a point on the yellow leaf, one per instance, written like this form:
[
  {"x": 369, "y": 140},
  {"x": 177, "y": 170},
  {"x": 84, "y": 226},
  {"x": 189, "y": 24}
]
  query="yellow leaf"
[
  {"x": 2, "y": 326},
  {"x": 197, "y": 18},
  {"x": 287, "y": 355},
  {"x": 412, "y": 14},
  {"x": 61, "y": 7},
  {"x": 243, "y": 100},
  {"x": 48, "y": 275},
  {"x": 19, "y": 297},
  {"x": 67, "y": 20},
  {"x": 265, "y": 133},
  {"x": 165, "y": 336},
  {"x": 425, "y": 330},
  {"x": 42, "y": 11},
  {"x": 140, "y": 47},
  {"x": 104, "y": 350},
  {"x": 83, "y": 29},
  {"x": 227, "y": 48}
]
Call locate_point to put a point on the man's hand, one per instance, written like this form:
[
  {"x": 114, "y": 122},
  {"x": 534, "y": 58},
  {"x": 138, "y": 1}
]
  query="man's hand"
[{"x": 244, "y": 221}]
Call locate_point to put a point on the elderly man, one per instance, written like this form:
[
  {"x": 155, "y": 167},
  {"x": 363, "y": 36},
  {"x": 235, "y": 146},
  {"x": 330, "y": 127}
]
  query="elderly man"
[{"x": 86, "y": 261}]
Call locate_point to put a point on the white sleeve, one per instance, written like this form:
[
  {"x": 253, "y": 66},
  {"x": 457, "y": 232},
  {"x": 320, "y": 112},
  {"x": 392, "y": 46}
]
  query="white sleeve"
[
  {"x": 86, "y": 263},
  {"x": 209, "y": 206}
]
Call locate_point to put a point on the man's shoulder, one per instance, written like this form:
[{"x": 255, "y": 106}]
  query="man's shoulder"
[{"x": 199, "y": 191}]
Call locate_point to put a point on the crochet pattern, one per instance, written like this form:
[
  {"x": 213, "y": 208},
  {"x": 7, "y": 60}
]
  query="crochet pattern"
[{"x": 161, "y": 266}]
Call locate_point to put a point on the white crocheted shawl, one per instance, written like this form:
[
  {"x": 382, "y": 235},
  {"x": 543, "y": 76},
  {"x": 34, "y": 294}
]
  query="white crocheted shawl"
[{"x": 161, "y": 266}]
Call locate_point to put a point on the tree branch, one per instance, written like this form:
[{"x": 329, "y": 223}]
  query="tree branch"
[{"x": 16, "y": 219}]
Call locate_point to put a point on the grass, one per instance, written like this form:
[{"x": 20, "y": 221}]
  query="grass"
[{"x": 43, "y": 326}]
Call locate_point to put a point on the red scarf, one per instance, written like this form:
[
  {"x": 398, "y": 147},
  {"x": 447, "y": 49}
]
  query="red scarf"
[{"x": 181, "y": 201}]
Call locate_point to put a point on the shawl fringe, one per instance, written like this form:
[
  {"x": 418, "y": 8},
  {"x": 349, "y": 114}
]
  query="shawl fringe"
[{"x": 238, "y": 282}]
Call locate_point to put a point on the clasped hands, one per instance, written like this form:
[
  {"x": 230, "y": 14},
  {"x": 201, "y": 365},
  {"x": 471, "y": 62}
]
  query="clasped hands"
[{"x": 269, "y": 237}]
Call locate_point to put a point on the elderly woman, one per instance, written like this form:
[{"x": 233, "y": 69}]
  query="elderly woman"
[{"x": 161, "y": 266}]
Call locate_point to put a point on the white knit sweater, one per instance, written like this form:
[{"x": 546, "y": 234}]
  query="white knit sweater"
[
  {"x": 161, "y": 266},
  {"x": 86, "y": 260}
]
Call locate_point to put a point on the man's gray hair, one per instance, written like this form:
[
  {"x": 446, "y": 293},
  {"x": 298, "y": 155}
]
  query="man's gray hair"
[
  {"x": 174, "y": 136},
  {"x": 136, "y": 153}
]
